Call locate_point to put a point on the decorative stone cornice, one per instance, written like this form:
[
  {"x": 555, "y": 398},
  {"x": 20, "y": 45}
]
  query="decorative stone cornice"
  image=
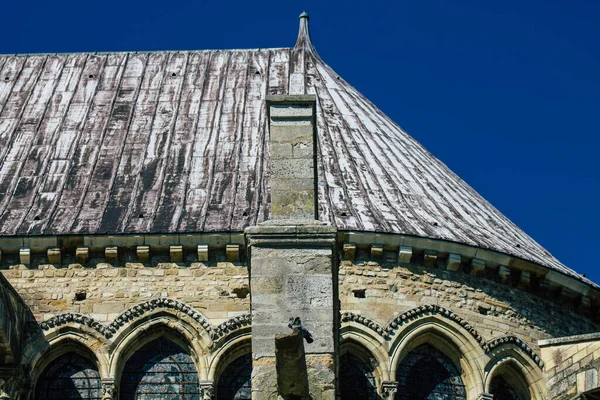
[
  {"x": 230, "y": 326},
  {"x": 359, "y": 319},
  {"x": 127, "y": 316},
  {"x": 427, "y": 310},
  {"x": 432, "y": 309},
  {"x": 131, "y": 314},
  {"x": 493, "y": 344}
]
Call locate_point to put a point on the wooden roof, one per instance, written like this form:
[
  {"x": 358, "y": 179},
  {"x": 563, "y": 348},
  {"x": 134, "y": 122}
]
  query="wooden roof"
[{"x": 173, "y": 142}]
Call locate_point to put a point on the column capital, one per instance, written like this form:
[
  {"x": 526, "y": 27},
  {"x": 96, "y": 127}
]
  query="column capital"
[
  {"x": 485, "y": 396},
  {"x": 389, "y": 389},
  {"x": 207, "y": 390},
  {"x": 109, "y": 390}
]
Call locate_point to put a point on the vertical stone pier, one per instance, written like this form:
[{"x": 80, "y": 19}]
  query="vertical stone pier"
[{"x": 292, "y": 257}]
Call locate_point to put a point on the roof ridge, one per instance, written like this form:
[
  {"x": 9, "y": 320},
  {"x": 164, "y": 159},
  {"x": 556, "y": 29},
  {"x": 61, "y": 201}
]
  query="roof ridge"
[{"x": 138, "y": 52}]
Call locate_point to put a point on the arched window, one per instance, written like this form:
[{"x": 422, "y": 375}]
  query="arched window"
[
  {"x": 160, "y": 370},
  {"x": 427, "y": 374},
  {"x": 70, "y": 376},
  {"x": 235, "y": 382},
  {"x": 501, "y": 389},
  {"x": 356, "y": 379}
]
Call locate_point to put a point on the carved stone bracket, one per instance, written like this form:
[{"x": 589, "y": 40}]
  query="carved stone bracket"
[
  {"x": 207, "y": 390},
  {"x": 389, "y": 389}
]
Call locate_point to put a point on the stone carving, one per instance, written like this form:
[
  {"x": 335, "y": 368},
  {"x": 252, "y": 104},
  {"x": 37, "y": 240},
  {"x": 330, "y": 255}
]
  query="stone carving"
[
  {"x": 430, "y": 309},
  {"x": 433, "y": 309},
  {"x": 207, "y": 390},
  {"x": 510, "y": 339},
  {"x": 369, "y": 323},
  {"x": 108, "y": 389},
  {"x": 230, "y": 325},
  {"x": 126, "y": 316},
  {"x": 136, "y": 311},
  {"x": 389, "y": 389}
]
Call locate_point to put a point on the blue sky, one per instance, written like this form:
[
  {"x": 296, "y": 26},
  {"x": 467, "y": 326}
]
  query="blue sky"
[{"x": 507, "y": 93}]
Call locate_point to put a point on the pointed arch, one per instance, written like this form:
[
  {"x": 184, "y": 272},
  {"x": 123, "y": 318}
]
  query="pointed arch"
[
  {"x": 176, "y": 327},
  {"x": 69, "y": 357},
  {"x": 451, "y": 339},
  {"x": 368, "y": 345},
  {"x": 514, "y": 365},
  {"x": 236, "y": 351},
  {"x": 72, "y": 338}
]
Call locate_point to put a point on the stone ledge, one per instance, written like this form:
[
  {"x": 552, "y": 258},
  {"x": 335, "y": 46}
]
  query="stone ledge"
[{"x": 588, "y": 337}]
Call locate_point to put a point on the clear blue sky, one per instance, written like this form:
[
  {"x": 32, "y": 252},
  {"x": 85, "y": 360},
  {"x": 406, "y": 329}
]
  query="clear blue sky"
[{"x": 506, "y": 93}]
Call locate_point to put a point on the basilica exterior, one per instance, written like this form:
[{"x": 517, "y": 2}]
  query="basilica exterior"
[{"x": 171, "y": 221}]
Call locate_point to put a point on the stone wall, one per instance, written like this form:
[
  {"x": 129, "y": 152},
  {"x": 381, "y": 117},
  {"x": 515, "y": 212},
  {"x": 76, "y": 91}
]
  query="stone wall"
[
  {"x": 382, "y": 291},
  {"x": 219, "y": 290},
  {"x": 572, "y": 365}
]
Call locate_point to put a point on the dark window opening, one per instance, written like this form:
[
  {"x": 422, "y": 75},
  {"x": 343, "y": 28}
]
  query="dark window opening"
[
  {"x": 427, "y": 374},
  {"x": 356, "y": 379},
  {"x": 160, "y": 370},
  {"x": 70, "y": 376},
  {"x": 502, "y": 390},
  {"x": 235, "y": 382}
]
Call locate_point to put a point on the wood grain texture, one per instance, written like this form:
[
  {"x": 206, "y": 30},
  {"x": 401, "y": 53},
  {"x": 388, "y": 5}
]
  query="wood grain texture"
[{"x": 175, "y": 142}]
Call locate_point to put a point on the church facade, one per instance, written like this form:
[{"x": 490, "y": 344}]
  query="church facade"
[{"x": 244, "y": 224}]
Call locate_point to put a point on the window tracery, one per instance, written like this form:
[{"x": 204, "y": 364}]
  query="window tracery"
[
  {"x": 356, "y": 379},
  {"x": 160, "y": 370},
  {"x": 428, "y": 374},
  {"x": 235, "y": 381},
  {"x": 70, "y": 376}
]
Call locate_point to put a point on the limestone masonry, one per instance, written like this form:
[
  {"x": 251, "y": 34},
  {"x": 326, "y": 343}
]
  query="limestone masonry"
[{"x": 244, "y": 224}]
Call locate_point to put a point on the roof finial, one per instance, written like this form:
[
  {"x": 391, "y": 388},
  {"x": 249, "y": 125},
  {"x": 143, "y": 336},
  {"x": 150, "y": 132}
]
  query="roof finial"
[{"x": 303, "y": 33}]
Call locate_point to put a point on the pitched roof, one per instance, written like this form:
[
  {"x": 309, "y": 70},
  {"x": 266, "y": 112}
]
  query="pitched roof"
[{"x": 175, "y": 142}]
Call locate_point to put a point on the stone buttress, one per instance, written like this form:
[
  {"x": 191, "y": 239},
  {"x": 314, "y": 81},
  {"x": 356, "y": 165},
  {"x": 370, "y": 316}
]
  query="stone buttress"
[{"x": 292, "y": 259}]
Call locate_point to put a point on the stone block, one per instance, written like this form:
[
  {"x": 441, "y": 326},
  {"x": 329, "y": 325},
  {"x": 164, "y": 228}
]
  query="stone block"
[
  {"x": 349, "y": 251},
  {"x": 54, "y": 255},
  {"x": 503, "y": 273},
  {"x": 82, "y": 255},
  {"x": 430, "y": 258},
  {"x": 25, "y": 256},
  {"x": 524, "y": 279},
  {"x": 405, "y": 254},
  {"x": 477, "y": 266},
  {"x": 453, "y": 262},
  {"x": 232, "y": 252},
  {"x": 376, "y": 251},
  {"x": 111, "y": 254},
  {"x": 176, "y": 253},
  {"x": 143, "y": 253},
  {"x": 202, "y": 252}
]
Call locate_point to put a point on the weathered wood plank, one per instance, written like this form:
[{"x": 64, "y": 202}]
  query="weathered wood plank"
[
  {"x": 203, "y": 151},
  {"x": 251, "y": 155},
  {"x": 88, "y": 121},
  {"x": 132, "y": 152},
  {"x": 179, "y": 162},
  {"x": 152, "y": 172},
  {"x": 109, "y": 147}
]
